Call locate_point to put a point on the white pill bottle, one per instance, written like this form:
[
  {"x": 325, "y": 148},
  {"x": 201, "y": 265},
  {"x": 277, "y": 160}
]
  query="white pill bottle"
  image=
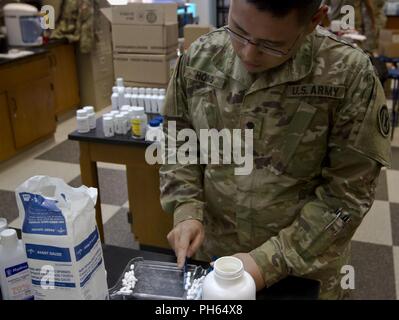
[
  {"x": 228, "y": 281},
  {"x": 15, "y": 278}
]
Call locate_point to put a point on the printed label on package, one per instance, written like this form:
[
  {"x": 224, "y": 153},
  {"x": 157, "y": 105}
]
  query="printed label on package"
[{"x": 42, "y": 216}]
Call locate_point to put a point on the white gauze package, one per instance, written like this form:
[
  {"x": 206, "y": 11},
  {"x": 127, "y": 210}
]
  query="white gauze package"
[{"x": 62, "y": 242}]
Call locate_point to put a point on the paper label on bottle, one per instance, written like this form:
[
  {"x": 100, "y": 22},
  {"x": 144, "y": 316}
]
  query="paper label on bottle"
[{"x": 137, "y": 128}]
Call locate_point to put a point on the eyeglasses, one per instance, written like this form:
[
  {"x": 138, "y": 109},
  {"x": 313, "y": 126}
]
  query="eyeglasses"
[{"x": 260, "y": 46}]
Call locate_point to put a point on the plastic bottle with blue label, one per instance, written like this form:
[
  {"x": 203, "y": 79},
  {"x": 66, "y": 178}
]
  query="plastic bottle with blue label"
[
  {"x": 3, "y": 226},
  {"x": 15, "y": 278}
]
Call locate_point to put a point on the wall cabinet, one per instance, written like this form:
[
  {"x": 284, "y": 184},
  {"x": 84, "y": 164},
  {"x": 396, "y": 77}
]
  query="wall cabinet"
[
  {"x": 31, "y": 109},
  {"x": 33, "y": 91},
  {"x": 66, "y": 83},
  {"x": 7, "y": 146},
  {"x": 27, "y": 112}
]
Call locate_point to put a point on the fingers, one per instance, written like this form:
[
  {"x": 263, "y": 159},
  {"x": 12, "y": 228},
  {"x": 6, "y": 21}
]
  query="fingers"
[
  {"x": 185, "y": 239},
  {"x": 181, "y": 248},
  {"x": 179, "y": 244},
  {"x": 171, "y": 239},
  {"x": 195, "y": 244}
]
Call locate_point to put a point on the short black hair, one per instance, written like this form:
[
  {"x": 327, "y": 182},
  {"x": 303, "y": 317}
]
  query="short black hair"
[{"x": 280, "y": 8}]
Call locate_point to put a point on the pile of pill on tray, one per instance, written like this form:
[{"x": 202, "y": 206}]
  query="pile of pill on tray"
[
  {"x": 128, "y": 282},
  {"x": 193, "y": 287}
]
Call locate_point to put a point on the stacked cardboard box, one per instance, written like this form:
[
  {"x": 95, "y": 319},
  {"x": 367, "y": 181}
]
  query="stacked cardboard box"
[
  {"x": 145, "y": 41},
  {"x": 389, "y": 43},
  {"x": 193, "y": 31}
]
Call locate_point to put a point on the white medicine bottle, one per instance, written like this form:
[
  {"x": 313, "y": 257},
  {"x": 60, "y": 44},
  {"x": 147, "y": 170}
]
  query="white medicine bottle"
[
  {"x": 83, "y": 122},
  {"x": 154, "y": 131},
  {"x": 92, "y": 116},
  {"x": 121, "y": 98},
  {"x": 134, "y": 101},
  {"x": 148, "y": 100},
  {"x": 115, "y": 98},
  {"x": 120, "y": 82},
  {"x": 3, "y": 224},
  {"x": 141, "y": 98},
  {"x": 15, "y": 279},
  {"x": 228, "y": 281},
  {"x": 128, "y": 96},
  {"x": 161, "y": 121}
]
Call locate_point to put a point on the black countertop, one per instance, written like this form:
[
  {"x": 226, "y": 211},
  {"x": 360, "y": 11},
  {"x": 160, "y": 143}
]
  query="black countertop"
[
  {"x": 97, "y": 135},
  {"x": 38, "y": 50},
  {"x": 290, "y": 288}
]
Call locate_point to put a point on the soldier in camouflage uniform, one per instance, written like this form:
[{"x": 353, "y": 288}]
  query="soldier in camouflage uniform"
[
  {"x": 321, "y": 136},
  {"x": 336, "y": 5},
  {"x": 373, "y": 32},
  {"x": 76, "y": 23}
]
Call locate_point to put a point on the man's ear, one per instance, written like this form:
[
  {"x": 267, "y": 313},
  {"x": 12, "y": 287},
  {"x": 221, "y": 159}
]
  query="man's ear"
[{"x": 317, "y": 18}]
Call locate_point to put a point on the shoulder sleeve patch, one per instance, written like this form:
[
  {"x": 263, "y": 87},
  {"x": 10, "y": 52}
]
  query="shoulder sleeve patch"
[
  {"x": 384, "y": 121},
  {"x": 373, "y": 138}
]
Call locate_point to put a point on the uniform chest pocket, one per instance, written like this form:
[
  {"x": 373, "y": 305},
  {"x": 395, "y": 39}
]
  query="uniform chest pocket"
[{"x": 303, "y": 147}]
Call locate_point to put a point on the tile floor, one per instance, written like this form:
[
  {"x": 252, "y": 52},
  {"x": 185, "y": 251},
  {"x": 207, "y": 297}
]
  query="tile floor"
[{"x": 375, "y": 246}]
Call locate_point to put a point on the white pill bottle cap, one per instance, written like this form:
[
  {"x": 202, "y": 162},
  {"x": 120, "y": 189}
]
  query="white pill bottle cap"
[
  {"x": 9, "y": 238},
  {"x": 81, "y": 113},
  {"x": 138, "y": 111}
]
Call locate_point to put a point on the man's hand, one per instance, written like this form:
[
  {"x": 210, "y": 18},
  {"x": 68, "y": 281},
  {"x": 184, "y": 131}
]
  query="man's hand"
[
  {"x": 252, "y": 268},
  {"x": 185, "y": 239}
]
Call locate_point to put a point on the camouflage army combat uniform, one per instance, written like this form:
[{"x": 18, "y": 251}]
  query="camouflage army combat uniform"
[
  {"x": 77, "y": 23},
  {"x": 321, "y": 136},
  {"x": 380, "y": 22}
]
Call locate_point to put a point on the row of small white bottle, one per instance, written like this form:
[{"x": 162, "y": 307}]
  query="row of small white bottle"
[
  {"x": 151, "y": 99},
  {"x": 121, "y": 122},
  {"x": 86, "y": 119},
  {"x": 135, "y": 120}
]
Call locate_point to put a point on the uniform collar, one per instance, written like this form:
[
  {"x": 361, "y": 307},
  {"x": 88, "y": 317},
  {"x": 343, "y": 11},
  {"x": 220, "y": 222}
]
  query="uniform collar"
[{"x": 297, "y": 68}]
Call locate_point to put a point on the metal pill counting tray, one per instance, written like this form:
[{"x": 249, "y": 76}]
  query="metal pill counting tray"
[{"x": 156, "y": 280}]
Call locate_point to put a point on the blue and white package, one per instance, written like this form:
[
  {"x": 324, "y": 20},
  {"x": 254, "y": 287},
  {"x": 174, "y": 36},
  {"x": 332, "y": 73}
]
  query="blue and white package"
[{"x": 61, "y": 239}]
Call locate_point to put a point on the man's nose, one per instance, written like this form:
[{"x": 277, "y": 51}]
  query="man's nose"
[{"x": 250, "y": 53}]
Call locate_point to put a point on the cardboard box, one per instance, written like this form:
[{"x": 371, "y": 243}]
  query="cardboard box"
[
  {"x": 146, "y": 85},
  {"x": 142, "y": 13},
  {"x": 193, "y": 31},
  {"x": 161, "y": 39},
  {"x": 389, "y": 35},
  {"x": 144, "y": 68},
  {"x": 389, "y": 49}
]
